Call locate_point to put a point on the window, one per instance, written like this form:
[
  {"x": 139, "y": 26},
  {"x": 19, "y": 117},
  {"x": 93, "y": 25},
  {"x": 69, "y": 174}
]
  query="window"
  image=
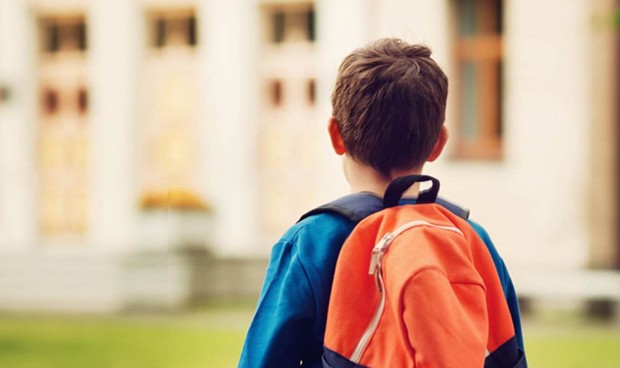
[
  {"x": 479, "y": 79},
  {"x": 291, "y": 24},
  {"x": 169, "y": 94},
  {"x": 289, "y": 87},
  {"x": 61, "y": 34},
  {"x": 51, "y": 101},
  {"x": 173, "y": 29},
  {"x": 63, "y": 143}
]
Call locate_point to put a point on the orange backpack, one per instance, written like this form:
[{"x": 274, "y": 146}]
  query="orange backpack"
[{"x": 415, "y": 286}]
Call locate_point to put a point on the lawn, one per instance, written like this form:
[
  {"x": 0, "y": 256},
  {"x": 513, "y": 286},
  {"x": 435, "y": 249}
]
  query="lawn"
[
  {"x": 567, "y": 340},
  {"x": 212, "y": 337},
  {"x": 208, "y": 338}
]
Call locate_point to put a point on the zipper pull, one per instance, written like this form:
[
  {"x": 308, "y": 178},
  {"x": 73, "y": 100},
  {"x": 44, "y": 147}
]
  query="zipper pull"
[{"x": 377, "y": 252}]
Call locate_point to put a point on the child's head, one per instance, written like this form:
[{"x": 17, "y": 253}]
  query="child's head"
[{"x": 389, "y": 102}]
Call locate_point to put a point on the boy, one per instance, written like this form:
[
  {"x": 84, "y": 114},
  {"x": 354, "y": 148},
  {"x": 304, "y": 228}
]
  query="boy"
[{"x": 388, "y": 111}]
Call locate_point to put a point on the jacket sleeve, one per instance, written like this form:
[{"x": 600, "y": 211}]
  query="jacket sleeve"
[
  {"x": 507, "y": 285},
  {"x": 281, "y": 325}
]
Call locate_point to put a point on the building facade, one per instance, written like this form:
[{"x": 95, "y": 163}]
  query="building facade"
[{"x": 130, "y": 129}]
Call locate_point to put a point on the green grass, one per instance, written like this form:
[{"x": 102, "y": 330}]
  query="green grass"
[
  {"x": 567, "y": 340},
  {"x": 212, "y": 337},
  {"x": 575, "y": 352}
]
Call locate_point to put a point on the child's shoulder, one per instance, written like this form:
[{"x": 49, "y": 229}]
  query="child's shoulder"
[
  {"x": 318, "y": 225},
  {"x": 330, "y": 224},
  {"x": 315, "y": 241}
]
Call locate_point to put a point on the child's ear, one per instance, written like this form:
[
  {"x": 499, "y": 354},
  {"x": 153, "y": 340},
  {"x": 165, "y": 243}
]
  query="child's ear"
[
  {"x": 336, "y": 138},
  {"x": 439, "y": 144}
]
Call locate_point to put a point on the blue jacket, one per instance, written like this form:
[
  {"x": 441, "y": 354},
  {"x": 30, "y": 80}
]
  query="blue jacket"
[{"x": 289, "y": 323}]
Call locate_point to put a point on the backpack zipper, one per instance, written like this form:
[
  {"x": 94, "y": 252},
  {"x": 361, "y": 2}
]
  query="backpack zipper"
[{"x": 375, "y": 269}]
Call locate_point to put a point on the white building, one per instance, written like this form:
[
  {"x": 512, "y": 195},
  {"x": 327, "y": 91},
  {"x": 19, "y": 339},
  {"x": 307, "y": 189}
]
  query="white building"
[{"x": 121, "y": 120}]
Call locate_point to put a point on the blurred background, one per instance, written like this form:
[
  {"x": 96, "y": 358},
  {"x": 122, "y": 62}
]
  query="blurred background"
[{"x": 151, "y": 152}]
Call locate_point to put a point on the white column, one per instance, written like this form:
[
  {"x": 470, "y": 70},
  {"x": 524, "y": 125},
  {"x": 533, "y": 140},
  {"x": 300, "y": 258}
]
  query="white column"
[
  {"x": 114, "y": 54},
  {"x": 17, "y": 126},
  {"x": 342, "y": 26},
  {"x": 228, "y": 41},
  {"x": 547, "y": 45}
]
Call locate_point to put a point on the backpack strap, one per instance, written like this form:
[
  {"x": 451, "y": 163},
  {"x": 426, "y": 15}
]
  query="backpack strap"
[
  {"x": 398, "y": 186},
  {"x": 354, "y": 207},
  {"x": 456, "y": 209},
  {"x": 358, "y": 206},
  {"x": 396, "y": 189}
]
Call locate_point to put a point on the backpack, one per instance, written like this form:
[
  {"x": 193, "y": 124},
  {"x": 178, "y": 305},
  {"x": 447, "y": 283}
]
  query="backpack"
[{"x": 415, "y": 286}]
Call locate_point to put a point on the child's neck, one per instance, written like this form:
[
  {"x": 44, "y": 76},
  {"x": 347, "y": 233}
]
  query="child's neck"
[{"x": 363, "y": 178}]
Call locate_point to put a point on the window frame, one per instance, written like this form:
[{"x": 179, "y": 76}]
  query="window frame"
[
  {"x": 55, "y": 30},
  {"x": 482, "y": 49},
  {"x": 160, "y": 20},
  {"x": 279, "y": 20}
]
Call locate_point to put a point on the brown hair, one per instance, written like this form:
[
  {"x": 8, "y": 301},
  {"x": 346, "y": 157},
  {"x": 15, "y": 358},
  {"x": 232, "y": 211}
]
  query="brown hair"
[{"x": 389, "y": 101}]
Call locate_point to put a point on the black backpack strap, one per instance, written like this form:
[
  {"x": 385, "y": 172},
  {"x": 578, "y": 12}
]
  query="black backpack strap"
[
  {"x": 358, "y": 206},
  {"x": 395, "y": 190},
  {"x": 354, "y": 207}
]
